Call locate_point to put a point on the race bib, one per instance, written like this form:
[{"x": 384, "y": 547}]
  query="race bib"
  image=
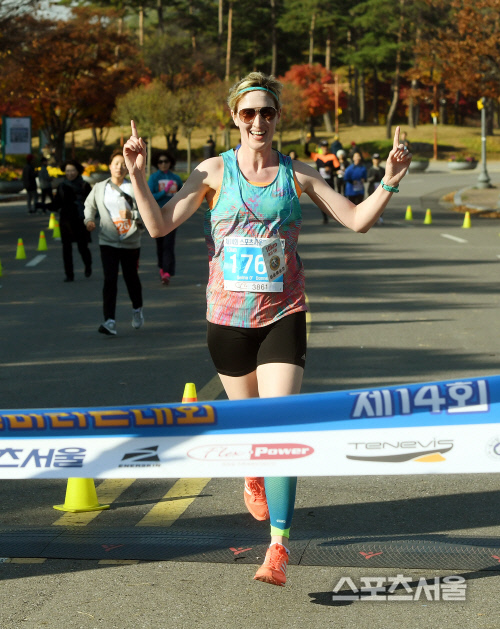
[{"x": 254, "y": 265}]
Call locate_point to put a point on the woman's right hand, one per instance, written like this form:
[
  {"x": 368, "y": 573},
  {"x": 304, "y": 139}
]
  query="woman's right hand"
[{"x": 134, "y": 152}]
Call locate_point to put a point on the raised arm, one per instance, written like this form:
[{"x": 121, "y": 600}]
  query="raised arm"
[
  {"x": 356, "y": 217},
  {"x": 161, "y": 221}
]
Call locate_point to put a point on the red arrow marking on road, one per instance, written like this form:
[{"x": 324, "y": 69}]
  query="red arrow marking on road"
[
  {"x": 239, "y": 550},
  {"x": 370, "y": 555},
  {"x": 108, "y": 547}
]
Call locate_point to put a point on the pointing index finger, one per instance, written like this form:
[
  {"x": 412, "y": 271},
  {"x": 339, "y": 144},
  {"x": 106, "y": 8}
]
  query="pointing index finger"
[
  {"x": 396, "y": 139},
  {"x": 134, "y": 129}
]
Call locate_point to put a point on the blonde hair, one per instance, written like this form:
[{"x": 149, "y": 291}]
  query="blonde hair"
[{"x": 255, "y": 79}]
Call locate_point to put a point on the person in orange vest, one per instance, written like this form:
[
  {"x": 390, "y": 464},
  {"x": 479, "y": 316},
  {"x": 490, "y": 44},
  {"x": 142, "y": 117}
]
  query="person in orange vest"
[{"x": 327, "y": 165}]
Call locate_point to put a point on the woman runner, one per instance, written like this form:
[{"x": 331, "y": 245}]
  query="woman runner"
[{"x": 256, "y": 320}]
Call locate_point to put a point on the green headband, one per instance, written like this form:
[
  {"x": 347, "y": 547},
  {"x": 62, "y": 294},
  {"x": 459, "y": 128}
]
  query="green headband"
[{"x": 264, "y": 89}]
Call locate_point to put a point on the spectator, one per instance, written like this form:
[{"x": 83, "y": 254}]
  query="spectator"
[
  {"x": 209, "y": 148},
  {"x": 45, "y": 184},
  {"x": 69, "y": 201},
  {"x": 354, "y": 149},
  {"x": 375, "y": 175},
  {"x": 336, "y": 145},
  {"x": 29, "y": 181},
  {"x": 293, "y": 154},
  {"x": 355, "y": 178},
  {"x": 405, "y": 142}
]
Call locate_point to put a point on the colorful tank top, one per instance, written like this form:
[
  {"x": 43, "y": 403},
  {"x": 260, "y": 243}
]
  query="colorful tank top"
[{"x": 246, "y": 210}]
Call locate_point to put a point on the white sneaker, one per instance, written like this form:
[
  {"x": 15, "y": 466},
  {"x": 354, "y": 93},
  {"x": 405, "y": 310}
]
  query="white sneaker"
[
  {"x": 108, "y": 327},
  {"x": 137, "y": 318}
]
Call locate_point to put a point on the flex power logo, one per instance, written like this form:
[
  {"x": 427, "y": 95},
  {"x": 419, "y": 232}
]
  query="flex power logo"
[
  {"x": 431, "y": 451},
  {"x": 250, "y": 452}
]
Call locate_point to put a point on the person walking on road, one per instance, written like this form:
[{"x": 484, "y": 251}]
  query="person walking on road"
[
  {"x": 256, "y": 314},
  {"x": 29, "y": 182},
  {"x": 45, "y": 185},
  {"x": 69, "y": 201},
  {"x": 119, "y": 240},
  {"x": 164, "y": 184}
]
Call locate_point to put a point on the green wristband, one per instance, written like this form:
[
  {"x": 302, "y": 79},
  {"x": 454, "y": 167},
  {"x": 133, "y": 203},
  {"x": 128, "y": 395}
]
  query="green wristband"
[{"x": 389, "y": 188}]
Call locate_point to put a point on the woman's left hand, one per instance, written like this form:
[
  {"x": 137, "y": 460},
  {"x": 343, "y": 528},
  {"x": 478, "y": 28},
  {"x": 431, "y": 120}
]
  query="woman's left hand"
[{"x": 397, "y": 163}]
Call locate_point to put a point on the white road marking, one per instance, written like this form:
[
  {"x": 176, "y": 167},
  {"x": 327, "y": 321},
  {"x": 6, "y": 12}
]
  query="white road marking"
[
  {"x": 455, "y": 238},
  {"x": 36, "y": 260}
]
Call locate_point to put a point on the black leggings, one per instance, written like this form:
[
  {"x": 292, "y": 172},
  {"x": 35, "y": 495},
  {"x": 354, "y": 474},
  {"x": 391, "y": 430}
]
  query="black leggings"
[
  {"x": 239, "y": 351},
  {"x": 111, "y": 258},
  {"x": 165, "y": 250}
]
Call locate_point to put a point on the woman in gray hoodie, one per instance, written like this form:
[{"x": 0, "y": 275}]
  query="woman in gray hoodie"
[{"x": 119, "y": 240}]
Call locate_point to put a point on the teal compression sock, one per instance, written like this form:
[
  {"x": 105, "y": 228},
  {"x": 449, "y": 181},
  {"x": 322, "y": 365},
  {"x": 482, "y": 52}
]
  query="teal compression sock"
[{"x": 280, "y": 494}]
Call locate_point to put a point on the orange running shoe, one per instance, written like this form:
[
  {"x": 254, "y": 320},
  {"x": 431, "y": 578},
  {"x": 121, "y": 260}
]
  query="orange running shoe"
[
  {"x": 255, "y": 498},
  {"x": 273, "y": 570}
]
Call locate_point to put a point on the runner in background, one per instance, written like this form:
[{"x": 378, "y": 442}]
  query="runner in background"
[
  {"x": 164, "y": 184},
  {"x": 256, "y": 321},
  {"x": 327, "y": 165}
]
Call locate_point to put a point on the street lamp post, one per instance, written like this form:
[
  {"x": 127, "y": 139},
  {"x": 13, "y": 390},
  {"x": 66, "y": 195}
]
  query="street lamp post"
[
  {"x": 483, "y": 181},
  {"x": 435, "y": 115}
]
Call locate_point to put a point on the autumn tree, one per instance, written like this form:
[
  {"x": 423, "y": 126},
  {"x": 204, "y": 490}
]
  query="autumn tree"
[
  {"x": 66, "y": 70},
  {"x": 466, "y": 51},
  {"x": 314, "y": 82}
]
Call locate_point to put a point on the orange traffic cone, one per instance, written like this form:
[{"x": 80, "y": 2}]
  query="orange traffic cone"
[
  {"x": 20, "y": 253},
  {"x": 189, "y": 393},
  {"x": 80, "y": 496}
]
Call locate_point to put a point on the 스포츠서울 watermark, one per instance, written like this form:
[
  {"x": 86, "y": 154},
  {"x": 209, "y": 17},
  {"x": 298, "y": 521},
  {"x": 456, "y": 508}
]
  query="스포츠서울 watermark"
[{"x": 401, "y": 588}]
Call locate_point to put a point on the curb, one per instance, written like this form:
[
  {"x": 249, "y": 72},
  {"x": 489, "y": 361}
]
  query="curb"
[{"x": 457, "y": 200}]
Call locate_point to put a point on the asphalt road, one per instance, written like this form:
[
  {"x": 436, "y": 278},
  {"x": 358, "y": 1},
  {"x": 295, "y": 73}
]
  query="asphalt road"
[{"x": 406, "y": 302}]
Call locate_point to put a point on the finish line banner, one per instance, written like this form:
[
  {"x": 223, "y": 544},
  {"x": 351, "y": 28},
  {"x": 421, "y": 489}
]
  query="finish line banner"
[{"x": 450, "y": 427}]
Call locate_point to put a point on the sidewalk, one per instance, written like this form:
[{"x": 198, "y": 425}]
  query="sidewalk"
[{"x": 486, "y": 199}]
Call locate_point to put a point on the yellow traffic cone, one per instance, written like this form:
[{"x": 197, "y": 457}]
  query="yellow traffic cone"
[
  {"x": 52, "y": 221},
  {"x": 80, "y": 496},
  {"x": 409, "y": 214},
  {"x": 0, "y": 268},
  {"x": 428, "y": 218},
  {"x": 20, "y": 253},
  {"x": 56, "y": 234},
  {"x": 189, "y": 393},
  {"x": 467, "y": 223},
  {"x": 42, "y": 242}
]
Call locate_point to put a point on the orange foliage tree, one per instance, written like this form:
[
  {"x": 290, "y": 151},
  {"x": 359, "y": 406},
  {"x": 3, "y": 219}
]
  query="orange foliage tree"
[
  {"x": 314, "y": 82},
  {"x": 68, "y": 73},
  {"x": 464, "y": 53}
]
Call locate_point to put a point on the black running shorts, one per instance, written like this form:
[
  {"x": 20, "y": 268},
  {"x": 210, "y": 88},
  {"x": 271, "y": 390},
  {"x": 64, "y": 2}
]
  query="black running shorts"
[{"x": 239, "y": 351}]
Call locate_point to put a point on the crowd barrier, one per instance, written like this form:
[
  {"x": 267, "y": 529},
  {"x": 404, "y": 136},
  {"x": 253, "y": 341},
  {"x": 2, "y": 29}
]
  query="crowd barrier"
[{"x": 439, "y": 427}]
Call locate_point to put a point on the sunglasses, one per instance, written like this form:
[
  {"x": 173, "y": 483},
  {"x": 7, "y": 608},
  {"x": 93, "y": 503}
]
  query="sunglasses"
[{"x": 248, "y": 115}]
